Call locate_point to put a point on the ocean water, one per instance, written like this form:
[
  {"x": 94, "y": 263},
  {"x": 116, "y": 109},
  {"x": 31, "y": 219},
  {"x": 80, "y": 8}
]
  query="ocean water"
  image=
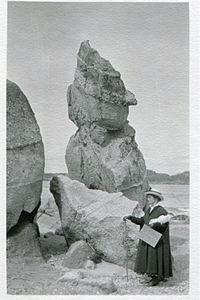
[{"x": 176, "y": 196}]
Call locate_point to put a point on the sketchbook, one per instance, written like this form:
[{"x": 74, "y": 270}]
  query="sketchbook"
[{"x": 149, "y": 235}]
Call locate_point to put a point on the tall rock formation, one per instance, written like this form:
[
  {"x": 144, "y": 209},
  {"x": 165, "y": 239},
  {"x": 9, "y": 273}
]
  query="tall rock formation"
[
  {"x": 103, "y": 153},
  {"x": 25, "y": 164}
]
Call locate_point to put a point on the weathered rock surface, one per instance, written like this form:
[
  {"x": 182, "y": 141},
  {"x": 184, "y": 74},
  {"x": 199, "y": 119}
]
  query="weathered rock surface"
[
  {"x": 25, "y": 168},
  {"x": 116, "y": 166},
  {"x": 77, "y": 255},
  {"x": 52, "y": 245},
  {"x": 98, "y": 94},
  {"x": 103, "y": 153},
  {"x": 47, "y": 217},
  {"x": 96, "y": 217},
  {"x": 25, "y": 156},
  {"x": 23, "y": 242}
]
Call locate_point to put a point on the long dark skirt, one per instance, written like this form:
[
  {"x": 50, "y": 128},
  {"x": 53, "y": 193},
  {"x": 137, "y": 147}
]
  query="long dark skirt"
[{"x": 154, "y": 261}]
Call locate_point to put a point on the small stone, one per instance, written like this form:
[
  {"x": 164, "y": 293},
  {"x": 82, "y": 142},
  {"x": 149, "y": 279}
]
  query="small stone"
[
  {"x": 89, "y": 264},
  {"x": 106, "y": 284},
  {"x": 77, "y": 255},
  {"x": 72, "y": 276}
]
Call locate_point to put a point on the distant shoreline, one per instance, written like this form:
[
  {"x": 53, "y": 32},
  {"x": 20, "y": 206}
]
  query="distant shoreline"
[
  {"x": 162, "y": 178},
  {"x": 153, "y": 178},
  {"x": 168, "y": 183}
]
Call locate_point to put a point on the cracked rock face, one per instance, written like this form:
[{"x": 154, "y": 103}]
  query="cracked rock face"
[
  {"x": 96, "y": 217},
  {"x": 25, "y": 157},
  {"x": 103, "y": 153},
  {"x": 98, "y": 94}
]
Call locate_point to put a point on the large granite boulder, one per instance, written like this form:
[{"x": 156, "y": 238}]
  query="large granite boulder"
[
  {"x": 103, "y": 153},
  {"x": 96, "y": 217},
  {"x": 25, "y": 156},
  {"x": 25, "y": 168},
  {"x": 117, "y": 165},
  {"x": 97, "y": 94}
]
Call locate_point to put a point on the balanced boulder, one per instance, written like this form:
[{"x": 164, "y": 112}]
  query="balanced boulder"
[{"x": 103, "y": 153}]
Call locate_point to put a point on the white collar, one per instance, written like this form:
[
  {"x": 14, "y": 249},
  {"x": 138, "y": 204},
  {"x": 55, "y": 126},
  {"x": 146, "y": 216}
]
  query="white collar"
[{"x": 151, "y": 208}]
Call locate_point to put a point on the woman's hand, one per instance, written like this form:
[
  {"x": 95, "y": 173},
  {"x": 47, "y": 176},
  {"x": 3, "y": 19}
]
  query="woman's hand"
[{"x": 126, "y": 218}]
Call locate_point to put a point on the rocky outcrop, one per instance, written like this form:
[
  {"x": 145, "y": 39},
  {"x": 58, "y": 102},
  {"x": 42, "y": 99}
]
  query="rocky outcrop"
[
  {"x": 25, "y": 160},
  {"x": 103, "y": 153},
  {"x": 96, "y": 217},
  {"x": 23, "y": 242}
]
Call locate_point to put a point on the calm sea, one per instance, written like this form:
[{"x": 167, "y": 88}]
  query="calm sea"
[{"x": 176, "y": 196}]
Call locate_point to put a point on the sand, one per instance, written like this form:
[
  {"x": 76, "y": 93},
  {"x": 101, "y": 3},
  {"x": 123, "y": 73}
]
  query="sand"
[{"x": 36, "y": 277}]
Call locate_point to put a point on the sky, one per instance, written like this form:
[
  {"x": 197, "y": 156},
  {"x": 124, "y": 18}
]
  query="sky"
[{"x": 148, "y": 43}]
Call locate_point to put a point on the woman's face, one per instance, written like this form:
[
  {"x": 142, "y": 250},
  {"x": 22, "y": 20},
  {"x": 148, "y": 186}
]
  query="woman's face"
[{"x": 151, "y": 200}]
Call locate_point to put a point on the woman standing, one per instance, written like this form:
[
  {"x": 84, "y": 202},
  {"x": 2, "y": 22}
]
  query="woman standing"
[{"x": 155, "y": 262}]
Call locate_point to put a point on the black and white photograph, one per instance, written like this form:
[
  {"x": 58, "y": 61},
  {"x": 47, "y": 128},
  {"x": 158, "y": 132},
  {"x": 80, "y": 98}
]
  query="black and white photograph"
[{"x": 98, "y": 159}]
